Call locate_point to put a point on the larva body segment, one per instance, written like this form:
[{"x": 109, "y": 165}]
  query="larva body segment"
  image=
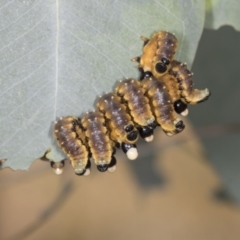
[
  {"x": 137, "y": 104},
  {"x": 70, "y": 139},
  {"x": 158, "y": 52},
  {"x": 99, "y": 142},
  {"x": 175, "y": 95},
  {"x": 122, "y": 129},
  {"x": 185, "y": 82},
  {"x": 161, "y": 105}
]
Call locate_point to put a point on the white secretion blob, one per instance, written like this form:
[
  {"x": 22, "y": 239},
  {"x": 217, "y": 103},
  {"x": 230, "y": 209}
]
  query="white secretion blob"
[
  {"x": 149, "y": 138},
  {"x": 112, "y": 169},
  {"x": 184, "y": 113},
  {"x": 132, "y": 154}
]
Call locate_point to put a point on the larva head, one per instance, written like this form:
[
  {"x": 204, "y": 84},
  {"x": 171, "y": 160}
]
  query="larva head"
[
  {"x": 102, "y": 166},
  {"x": 146, "y": 132},
  {"x": 81, "y": 169},
  {"x": 160, "y": 67},
  {"x": 179, "y": 127},
  {"x": 57, "y": 167},
  {"x": 131, "y": 133},
  {"x": 181, "y": 107},
  {"x": 143, "y": 74}
]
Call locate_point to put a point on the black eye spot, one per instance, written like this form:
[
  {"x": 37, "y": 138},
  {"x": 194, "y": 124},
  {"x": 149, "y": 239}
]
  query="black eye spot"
[
  {"x": 179, "y": 106},
  {"x": 132, "y": 136},
  {"x": 160, "y": 67},
  {"x": 102, "y": 168},
  {"x": 165, "y": 61},
  {"x": 129, "y": 128}
]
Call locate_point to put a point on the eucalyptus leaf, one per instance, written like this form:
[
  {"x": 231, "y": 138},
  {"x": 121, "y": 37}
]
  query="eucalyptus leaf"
[
  {"x": 222, "y": 12},
  {"x": 58, "y": 56}
]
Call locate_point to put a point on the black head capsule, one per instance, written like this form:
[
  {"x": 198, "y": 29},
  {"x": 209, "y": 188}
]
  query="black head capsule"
[
  {"x": 132, "y": 136},
  {"x": 147, "y": 74},
  {"x": 57, "y": 166},
  {"x": 181, "y": 107},
  {"x": 146, "y": 133},
  {"x": 180, "y": 126},
  {"x": 130, "y": 150},
  {"x": 160, "y": 67},
  {"x": 102, "y": 167},
  {"x": 143, "y": 74},
  {"x": 129, "y": 128},
  {"x": 165, "y": 61}
]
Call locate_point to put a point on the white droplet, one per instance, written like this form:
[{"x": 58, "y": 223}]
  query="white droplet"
[
  {"x": 58, "y": 171},
  {"x": 112, "y": 169},
  {"x": 149, "y": 138},
  {"x": 184, "y": 113},
  {"x": 87, "y": 172},
  {"x": 132, "y": 154}
]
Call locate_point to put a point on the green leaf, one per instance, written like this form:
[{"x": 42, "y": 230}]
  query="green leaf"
[
  {"x": 58, "y": 56},
  {"x": 222, "y": 12}
]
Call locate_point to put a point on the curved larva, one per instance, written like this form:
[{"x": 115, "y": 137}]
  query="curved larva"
[
  {"x": 122, "y": 129},
  {"x": 175, "y": 95},
  {"x": 162, "y": 107},
  {"x": 158, "y": 52},
  {"x": 70, "y": 139},
  {"x": 100, "y": 145},
  {"x": 132, "y": 96},
  {"x": 185, "y": 82}
]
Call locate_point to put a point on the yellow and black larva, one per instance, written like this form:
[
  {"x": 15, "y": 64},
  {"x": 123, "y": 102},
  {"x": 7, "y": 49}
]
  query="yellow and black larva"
[
  {"x": 158, "y": 52},
  {"x": 71, "y": 140},
  {"x": 120, "y": 124},
  {"x": 166, "y": 87},
  {"x": 100, "y": 145},
  {"x": 172, "y": 86},
  {"x": 158, "y": 60},
  {"x": 185, "y": 84},
  {"x": 136, "y": 106},
  {"x": 132, "y": 96},
  {"x": 162, "y": 107}
]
